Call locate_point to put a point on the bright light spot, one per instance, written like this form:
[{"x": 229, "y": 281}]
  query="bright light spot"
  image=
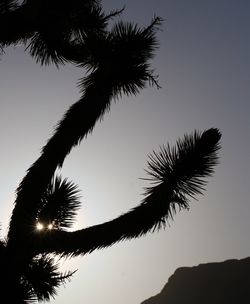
[
  {"x": 50, "y": 226},
  {"x": 39, "y": 226}
]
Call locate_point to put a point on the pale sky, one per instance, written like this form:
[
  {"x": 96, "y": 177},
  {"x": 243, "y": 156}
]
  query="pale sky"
[{"x": 204, "y": 69}]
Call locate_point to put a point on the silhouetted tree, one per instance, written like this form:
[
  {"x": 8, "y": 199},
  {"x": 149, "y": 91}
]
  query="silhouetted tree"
[{"x": 117, "y": 62}]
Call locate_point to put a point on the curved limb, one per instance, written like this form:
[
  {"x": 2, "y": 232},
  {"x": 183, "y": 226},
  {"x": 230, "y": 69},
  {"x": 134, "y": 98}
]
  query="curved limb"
[
  {"x": 77, "y": 123},
  {"x": 107, "y": 81},
  {"x": 179, "y": 173}
]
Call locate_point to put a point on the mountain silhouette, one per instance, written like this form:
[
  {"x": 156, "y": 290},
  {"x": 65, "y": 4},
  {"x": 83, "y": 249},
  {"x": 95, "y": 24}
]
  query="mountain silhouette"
[{"x": 225, "y": 282}]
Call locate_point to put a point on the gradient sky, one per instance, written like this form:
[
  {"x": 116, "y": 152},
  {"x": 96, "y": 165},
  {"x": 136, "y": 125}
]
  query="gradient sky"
[{"x": 204, "y": 69}]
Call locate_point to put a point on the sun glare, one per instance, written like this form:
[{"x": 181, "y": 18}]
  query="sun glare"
[
  {"x": 39, "y": 226},
  {"x": 50, "y": 226}
]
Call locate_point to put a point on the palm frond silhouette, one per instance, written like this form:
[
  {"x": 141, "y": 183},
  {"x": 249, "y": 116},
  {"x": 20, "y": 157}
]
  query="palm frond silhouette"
[{"x": 117, "y": 63}]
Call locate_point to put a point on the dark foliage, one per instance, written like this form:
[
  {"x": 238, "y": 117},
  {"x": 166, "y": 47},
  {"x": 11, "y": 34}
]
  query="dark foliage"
[
  {"x": 42, "y": 277},
  {"x": 105, "y": 81},
  {"x": 59, "y": 204},
  {"x": 117, "y": 61}
]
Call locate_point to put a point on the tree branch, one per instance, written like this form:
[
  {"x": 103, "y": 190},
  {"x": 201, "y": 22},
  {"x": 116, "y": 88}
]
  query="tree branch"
[
  {"x": 78, "y": 121},
  {"x": 177, "y": 173}
]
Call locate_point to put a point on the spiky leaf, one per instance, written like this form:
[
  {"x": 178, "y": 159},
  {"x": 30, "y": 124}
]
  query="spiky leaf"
[{"x": 59, "y": 204}]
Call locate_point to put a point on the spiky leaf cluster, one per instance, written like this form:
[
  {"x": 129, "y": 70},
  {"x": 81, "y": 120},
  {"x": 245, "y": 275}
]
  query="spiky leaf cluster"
[
  {"x": 185, "y": 165},
  {"x": 123, "y": 55},
  {"x": 53, "y": 30},
  {"x": 59, "y": 204},
  {"x": 60, "y": 28},
  {"x": 180, "y": 172},
  {"x": 41, "y": 278}
]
